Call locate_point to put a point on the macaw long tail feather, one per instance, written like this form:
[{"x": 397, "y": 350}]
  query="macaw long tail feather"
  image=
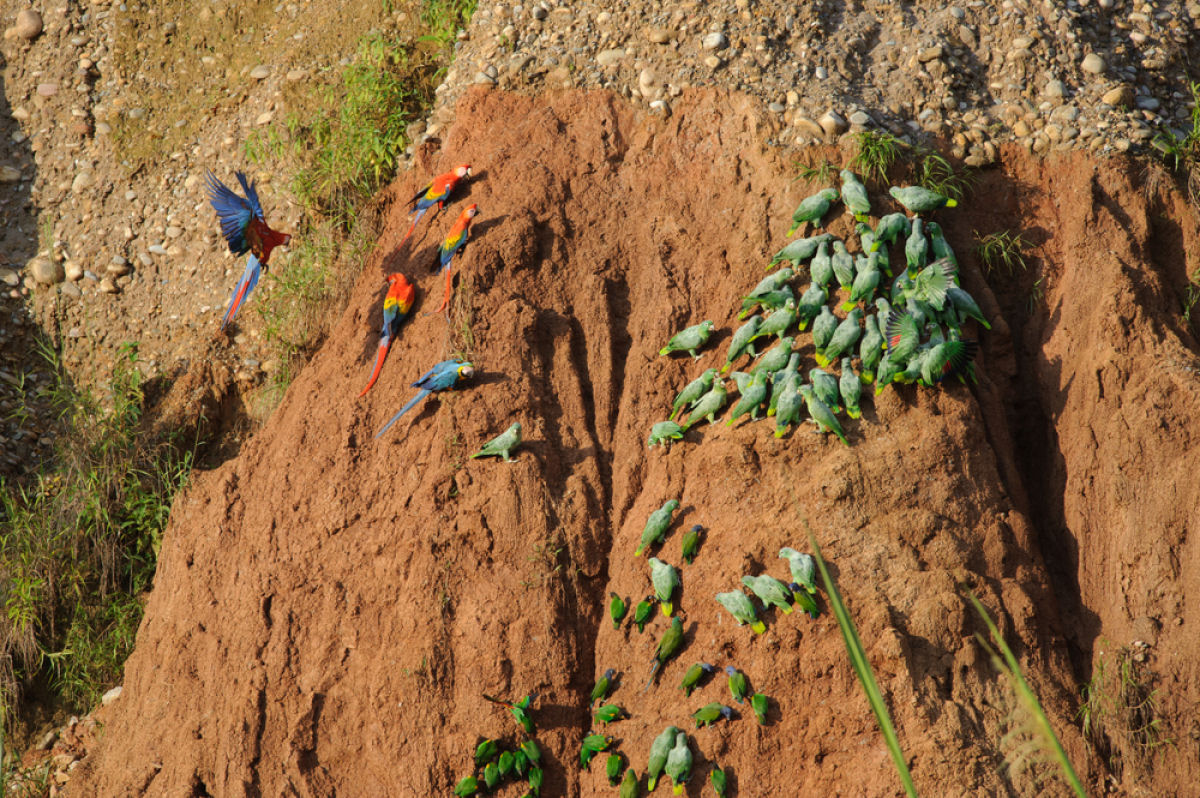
[
  {"x": 413, "y": 226},
  {"x": 245, "y": 285},
  {"x": 384, "y": 344},
  {"x": 449, "y": 289},
  {"x": 653, "y": 670},
  {"x": 421, "y": 394}
]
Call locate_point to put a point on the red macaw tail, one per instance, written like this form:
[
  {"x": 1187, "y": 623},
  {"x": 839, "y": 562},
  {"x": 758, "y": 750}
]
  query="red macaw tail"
[
  {"x": 449, "y": 290},
  {"x": 413, "y": 226},
  {"x": 245, "y": 285},
  {"x": 380, "y": 356}
]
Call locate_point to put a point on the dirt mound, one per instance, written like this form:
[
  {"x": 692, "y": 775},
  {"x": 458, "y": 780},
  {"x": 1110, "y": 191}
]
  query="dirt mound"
[{"x": 329, "y": 607}]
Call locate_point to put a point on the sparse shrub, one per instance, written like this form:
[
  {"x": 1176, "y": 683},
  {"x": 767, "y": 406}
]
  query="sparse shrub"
[
  {"x": 1003, "y": 249},
  {"x": 877, "y": 151}
]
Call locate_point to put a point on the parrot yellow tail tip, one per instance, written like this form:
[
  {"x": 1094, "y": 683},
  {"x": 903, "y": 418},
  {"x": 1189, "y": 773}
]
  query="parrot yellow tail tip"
[
  {"x": 848, "y": 306},
  {"x": 950, "y": 203},
  {"x": 759, "y": 627},
  {"x": 778, "y": 433},
  {"x": 667, "y": 609},
  {"x": 679, "y": 789},
  {"x": 786, "y": 610}
]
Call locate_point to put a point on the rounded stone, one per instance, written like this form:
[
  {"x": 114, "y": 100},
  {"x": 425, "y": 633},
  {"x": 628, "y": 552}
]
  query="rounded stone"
[
  {"x": 1120, "y": 95},
  {"x": 832, "y": 123},
  {"x": 1055, "y": 89},
  {"x": 715, "y": 41},
  {"x": 45, "y": 271},
  {"x": 260, "y": 72},
  {"x": 1092, "y": 63},
  {"x": 9, "y": 174},
  {"x": 73, "y": 270},
  {"x": 108, "y": 286},
  {"x": 860, "y": 118},
  {"x": 29, "y": 24}
]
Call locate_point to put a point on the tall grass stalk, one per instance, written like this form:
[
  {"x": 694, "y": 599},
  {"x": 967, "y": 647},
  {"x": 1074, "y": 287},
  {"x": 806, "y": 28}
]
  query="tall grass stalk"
[
  {"x": 1007, "y": 663},
  {"x": 862, "y": 669}
]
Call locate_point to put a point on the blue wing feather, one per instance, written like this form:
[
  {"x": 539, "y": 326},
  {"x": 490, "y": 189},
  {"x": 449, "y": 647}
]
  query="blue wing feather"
[
  {"x": 233, "y": 212},
  {"x": 251, "y": 195},
  {"x": 408, "y": 406}
]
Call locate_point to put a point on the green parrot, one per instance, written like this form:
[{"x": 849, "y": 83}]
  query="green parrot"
[
  {"x": 717, "y": 777},
  {"x": 775, "y": 358},
  {"x": 866, "y": 282},
  {"x": 485, "y": 752},
  {"x": 710, "y": 713},
  {"x": 854, "y": 195},
  {"x": 870, "y": 347},
  {"x": 689, "y": 339},
  {"x": 535, "y": 780},
  {"x": 742, "y": 342},
  {"x": 665, "y": 580},
  {"x": 742, "y": 609},
  {"x": 613, "y": 768},
  {"x": 767, "y": 285},
  {"x": 825, "y": 387},
  {"x": 917, "y": 199},
  {"x": 679, "y": 763},
  {"x": 468, "y": 786},
  {"x": 668, "y": 646},
  {"x": 693, "y": 676},
  {"x": 505, "y": 763},
  {"x": 629, "y": 787},
  {"x": 812, "y": 208},
  {"x": 531, "y": 751},
  {"x": 617, "y": 609},
  {"x": 800, "y": 250},
  {"x": 820, "y": 268},
  {"x": 866, "y": 237},
  {"x": 787, "y": 412},
  {"x": 759, "y": 704},
  {"x": 659, "y": 750},
  {"x": 664, "y": 432},
  {"x": 851, "y": 389},
  {"x": 642, "y": 613},
  {"x": 780, "y": 379},
  {"x": 916, "y": 248},
  {"x": 742, "y": 380},
  {"x": 708, "y": 406},
  {"x": 891, "y": 228},
  {"x": 770, "y": 591},
  {"x": 693, "y": 391},
  {"x": 491, "y": 775},
  {"x": 592, "y": 745},
  {"x": 804, "y": 600},
  {"x": 821, "y": 414},
  {"x": 810, "y": 305},
  {"x": 886, "y": 372},
  {"x": 843, "y": 265},
  {"x": 754, "y": 395},
  {"x": 903, "y": 336},
  {"x": 939, "y": 244},
  {"x": 739, "y": 685},
  {"x": 602, "y": 686},
  {"x": 778, "y": 322},
  {"x": 608, "y": 714},
  {"x": 656, "y": 526},
  {"x": 965, "y": 304},
  {"x": 691, "y": 543},
  {"x": 947, "y": 359},
  {"x": 503, "y": 444},
  {"x": 520, "y": 763},
  {"x": 823, "y": 328},
  {"x": 772, "y": 300},
  {"x": 844, "y": 337},
  {"x": 803, "y": 568}
]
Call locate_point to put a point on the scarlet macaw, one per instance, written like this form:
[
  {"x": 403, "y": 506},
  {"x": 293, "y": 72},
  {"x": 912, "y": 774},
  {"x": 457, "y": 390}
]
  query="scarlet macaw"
[
  {"x": 246, "y": 230},
  {"x": 436, "y": 193},
  {"x": 455, "y": 240},
  {"x": 396, "y": 305}
]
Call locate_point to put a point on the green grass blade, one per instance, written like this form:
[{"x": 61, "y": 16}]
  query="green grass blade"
[
  {"x": 862, "y": 668},
  {"x": 1027, "y": 697}
]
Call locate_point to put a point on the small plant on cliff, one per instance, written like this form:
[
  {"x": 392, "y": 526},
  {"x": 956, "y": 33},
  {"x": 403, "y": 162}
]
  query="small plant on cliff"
[
  {"x": 862, "y": 669},
  {"x": 1191, "y": 296},
  {"x": 1041, "y": 736},
  {"x": 1003, "y": 249},
  {"x": 1119, "y": 714},
  {"x": 938, "y": 174},
  {"x": 877, "y": 151}
]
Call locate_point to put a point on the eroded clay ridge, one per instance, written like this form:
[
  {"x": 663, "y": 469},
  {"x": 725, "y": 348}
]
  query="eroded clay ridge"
[{"x": 329, "y": 607}]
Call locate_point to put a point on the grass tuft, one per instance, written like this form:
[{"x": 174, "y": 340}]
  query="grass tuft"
[
  {"x": 862, "y": 669},
  {"x": 938, "y": 174},
  {"x": 1119, "y": 712},
  {"x": 1003, "y": 249},
  {"x": 877, "y": 151}
]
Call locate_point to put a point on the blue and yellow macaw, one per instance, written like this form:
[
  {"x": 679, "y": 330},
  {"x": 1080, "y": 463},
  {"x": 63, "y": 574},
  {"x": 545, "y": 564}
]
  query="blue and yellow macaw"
[{"x": 443, "y": 376}]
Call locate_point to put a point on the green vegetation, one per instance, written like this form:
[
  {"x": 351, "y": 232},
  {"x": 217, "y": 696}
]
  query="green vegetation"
[
  {"x": 1039, "y": 734},
  {"x": 1182, "y": 151},
  {"x": 1191, "y": 296},
  {"x": 862, "y": 669},
  {"x": 822, "y": 173},
  {"x": 877, "y": 151},
  {"x": 937, "y": 174},
  {"x": 1120, "y": 707},
  {"x": 1004, "y": 248},
  {"x": 80, "y": 541}
]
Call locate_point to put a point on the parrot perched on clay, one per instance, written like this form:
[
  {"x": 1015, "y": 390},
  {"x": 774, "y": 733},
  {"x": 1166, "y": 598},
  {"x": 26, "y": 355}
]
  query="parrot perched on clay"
[
  {"x": 916, "y": 248},
  {"x": 891, "y": 228},
  {"x": 518, "y": 709},
  {"x": 769, "y": 285},
  {"x": 821, "y": 415},
  {"x": 866, "y": 237},
  {"x": 708, "y": 406},
  {"x": 642, "y": 613},
  {"x": 668, "y": 646},
  {"x": 850, "y": 387},
  {"x": 770, "y": 591},
  {"x": 693, "y": 676},
  {"x": 800, "y": 250},
  {"x": 396, "y": 304},
  {"x": 454, "y": 241},
  {"x": 844, "y": 337},
  {"x": 778, "y": 322},
  {"x": 467, "y": 787},
  {"x": 758, "y": 702},
  {"x": 245, "y": 230},
  {"x": 485, "y": 752},
  {"x": 617, "y": 609},
  {"x": 825, "y": 387},
  {"x": 491, "y": 775},
  {"x": 787, "y": 411},
  {"x": 870, "y": 347},
  {"x": 810, "y": 305},
  {"x": 966, "y": 306},
  {"x": 947, "y": 359},
  {"x": 774, "y": 359},
  {"x": 505, "y": 762},
  {"x": 812, "y": 208},
  {"x": 659, "y": 750},
  {"x": 820, "y": 268},
  {"x": 656, "y": 526},
  {"x": 679, "y": 763},
  {"x": 752, "y": 398},
  {"x": 531, "y": 751},
  {"x": 866, "y": 281},
  {"x": 436, "y": 194},
  {"x": 601, "y": 687},
  {"x": 803, "y": 568},
  {"x": 592, "y": 745},
  {"x": 689, "y": 339},
  {"x": 609, "y": 713},
  {"x": 854, "y": 195},
  {"x": 917, "y": 199},
  {"x": 742, "y": 342},
  {"x": 739, "y": 685},
  {"x": 938, "y": 243},
  {"x": 717, "y": 777},
  {"x": 665, "y": 579},
  {"x": 691, "y": 543},
  {"x": 711, "y": 713},
  {"x": 742, "y": 609},
  {"x": 664, "y": 432},
  {"x": 443, "y": 376},
  {"x": 692, "y": 392},
  {"x": 843, "y": 266},
  {"x": 823, "y": 328},
  {"x": 886, "y": 372},
  {"x": 536, "y": 775},
  {"x": 503, "y": 444},
  {"x": 903, "y": 336},
  {"x": 780, "y": 379},
  {"x": 629, "y": 787},
  {"x": 613, "y": 768}
]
